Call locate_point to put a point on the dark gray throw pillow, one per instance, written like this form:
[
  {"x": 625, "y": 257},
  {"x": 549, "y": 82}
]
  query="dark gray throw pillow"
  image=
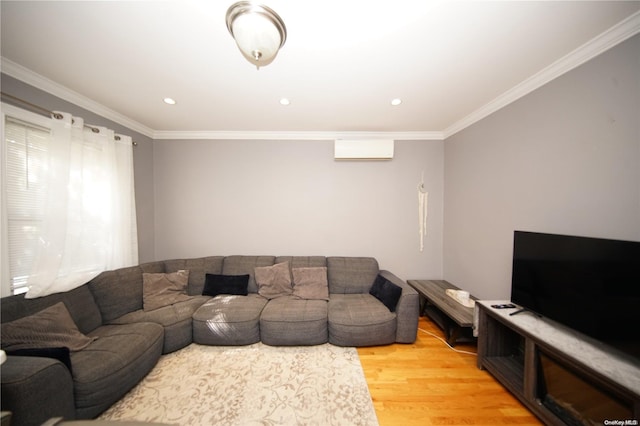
[
  {"x": 226, "y": 284},
  {"x": 386, "y": 292}
]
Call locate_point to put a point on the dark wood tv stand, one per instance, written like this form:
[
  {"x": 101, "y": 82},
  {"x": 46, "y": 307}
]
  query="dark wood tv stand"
[{"x": 586, "y": 381}]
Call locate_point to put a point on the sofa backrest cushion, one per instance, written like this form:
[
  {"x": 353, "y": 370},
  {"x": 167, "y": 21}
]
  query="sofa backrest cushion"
[
  {"x": 241, "y": 265},
  {"x": 198, "y": 268},
  {"x": 303, "y": 261},
  {"x": 153, "y": 267},
  {"x": 79, "y": 302},
  {"x": 118, "y": 292},
  {"x": 348, "y": 275}
]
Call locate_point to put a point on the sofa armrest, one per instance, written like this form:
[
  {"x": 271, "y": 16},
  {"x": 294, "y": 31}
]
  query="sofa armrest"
[
  {"x": 407, "y": 310},
  {"x": 35, "y": 389}
]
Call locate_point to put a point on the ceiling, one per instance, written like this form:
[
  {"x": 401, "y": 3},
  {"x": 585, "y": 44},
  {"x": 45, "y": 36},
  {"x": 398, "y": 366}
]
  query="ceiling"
[{"x": 451, "y": 62}]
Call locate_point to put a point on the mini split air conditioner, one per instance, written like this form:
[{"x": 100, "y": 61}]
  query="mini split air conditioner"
[{"x": 369, "y": 149}]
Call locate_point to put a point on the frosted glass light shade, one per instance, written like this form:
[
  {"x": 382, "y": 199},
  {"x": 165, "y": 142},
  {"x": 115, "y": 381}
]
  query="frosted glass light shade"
[{"x": 258, "y": 31}]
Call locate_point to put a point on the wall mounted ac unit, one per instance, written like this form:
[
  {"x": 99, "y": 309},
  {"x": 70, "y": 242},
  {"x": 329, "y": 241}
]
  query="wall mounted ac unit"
[{"x": 363, "y": 149}]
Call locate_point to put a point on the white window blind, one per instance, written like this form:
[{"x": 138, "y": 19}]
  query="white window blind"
[{"x": 25, "y": 161}]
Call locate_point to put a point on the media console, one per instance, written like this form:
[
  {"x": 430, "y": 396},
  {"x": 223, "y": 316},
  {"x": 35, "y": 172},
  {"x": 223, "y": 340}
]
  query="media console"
[{"x": 562, "y": 376}]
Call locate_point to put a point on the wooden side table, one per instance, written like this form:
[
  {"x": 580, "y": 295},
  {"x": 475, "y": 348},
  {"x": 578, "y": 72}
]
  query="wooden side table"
[{"x": 450, "y": 315}]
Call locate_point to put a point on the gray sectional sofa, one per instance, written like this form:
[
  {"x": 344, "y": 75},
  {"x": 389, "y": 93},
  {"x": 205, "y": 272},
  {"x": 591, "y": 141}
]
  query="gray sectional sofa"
[{"x": 125, "y": 341}]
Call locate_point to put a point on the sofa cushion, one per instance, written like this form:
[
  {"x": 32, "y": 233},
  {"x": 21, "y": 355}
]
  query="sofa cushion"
[
  {"x": 310, "y": 283},
  {"x": 154, "y": 267},
  {"x": 274, "y": 281},
  {"x": 164, "y": 289},
  {"x": 197, "y": 268},
  {"x": 360, "y": 320},
  {"x": 229, "y": 320},
  {"x": 216, "y": 284},
  {"x": 386, "y": 292},
  {"x": 110, "y": 366},
  {"x": 118, "y": 292},
  {"x": 289, "y": 321},
  {"x": 50, "y": 328},
  {"x": 351, "y": 274},
  {"x": 240, "y": 265},
  {"x": 302, "y": 261},
  {"x": 176, "y": 320}
]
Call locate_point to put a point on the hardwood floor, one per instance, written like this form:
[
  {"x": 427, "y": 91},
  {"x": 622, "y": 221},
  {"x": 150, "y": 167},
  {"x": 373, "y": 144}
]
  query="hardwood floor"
[{"x": 427, "y": 383}]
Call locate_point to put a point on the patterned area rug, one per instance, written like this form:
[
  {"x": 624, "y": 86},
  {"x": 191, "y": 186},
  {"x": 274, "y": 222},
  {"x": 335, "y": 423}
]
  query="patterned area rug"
[{"x": 252, "y": 385}]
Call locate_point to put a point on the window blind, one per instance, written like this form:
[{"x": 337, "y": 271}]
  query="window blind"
[{"x": 26, "y": 160}]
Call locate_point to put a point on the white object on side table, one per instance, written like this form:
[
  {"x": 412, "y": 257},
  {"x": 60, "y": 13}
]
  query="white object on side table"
[{"x": 461, "y": 297}]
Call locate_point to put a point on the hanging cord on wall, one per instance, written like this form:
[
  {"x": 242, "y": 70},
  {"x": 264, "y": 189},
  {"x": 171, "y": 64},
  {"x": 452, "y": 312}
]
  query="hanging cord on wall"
[
  {"x": 423, "y": 197},
  {"x": 43, "y": 111}
]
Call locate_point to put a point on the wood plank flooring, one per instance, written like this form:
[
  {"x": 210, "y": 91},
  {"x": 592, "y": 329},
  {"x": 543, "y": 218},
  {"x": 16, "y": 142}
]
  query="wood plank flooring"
[{"x": 427, "y": 383}]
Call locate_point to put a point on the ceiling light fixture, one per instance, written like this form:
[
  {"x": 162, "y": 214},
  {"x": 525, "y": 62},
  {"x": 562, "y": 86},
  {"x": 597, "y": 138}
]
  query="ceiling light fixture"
[
  {"x": 169, "y": 101},
  {"x": 285, "y": 101},
  {"x": 258, "y": 31},
  {"x": 396, "y": 101}
]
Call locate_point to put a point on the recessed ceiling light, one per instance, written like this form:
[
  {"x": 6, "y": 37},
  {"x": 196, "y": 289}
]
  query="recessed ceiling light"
[
  {"x": 285, "y": 101},
  {"x": 169, "y": 101},
  {"x": 396, "y": 101}
]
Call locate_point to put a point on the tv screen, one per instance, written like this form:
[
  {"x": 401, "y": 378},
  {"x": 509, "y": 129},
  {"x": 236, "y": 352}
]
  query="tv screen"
[{"x": 589, "y": 284}]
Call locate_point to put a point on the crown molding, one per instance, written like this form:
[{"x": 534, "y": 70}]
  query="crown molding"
[
  {"x": 601, "y": 43},
  {"x": 38, "y": 81},
  {"x": 290, "y": 135}
]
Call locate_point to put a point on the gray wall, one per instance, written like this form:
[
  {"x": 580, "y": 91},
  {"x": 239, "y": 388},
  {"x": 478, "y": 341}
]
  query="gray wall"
[
  {"x": 142, "y": 154},
  {"x": 564, "y": 159},
  {"x": 293, "y": 198}
]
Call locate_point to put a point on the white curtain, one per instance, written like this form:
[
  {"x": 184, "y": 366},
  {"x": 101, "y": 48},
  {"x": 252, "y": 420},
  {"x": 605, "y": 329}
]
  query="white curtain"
[{"x": 90, "y": 221}]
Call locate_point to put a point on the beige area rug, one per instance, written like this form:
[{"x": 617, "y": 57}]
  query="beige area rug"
[{"x": 252, "y": 385}]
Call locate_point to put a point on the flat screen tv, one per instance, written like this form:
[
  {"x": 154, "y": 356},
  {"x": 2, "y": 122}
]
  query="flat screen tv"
[{"x": 591, "y": 285}]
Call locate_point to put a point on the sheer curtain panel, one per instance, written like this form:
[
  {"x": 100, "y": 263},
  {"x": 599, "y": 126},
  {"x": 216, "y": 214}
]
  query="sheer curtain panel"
[{"x": 88, "y": 209}]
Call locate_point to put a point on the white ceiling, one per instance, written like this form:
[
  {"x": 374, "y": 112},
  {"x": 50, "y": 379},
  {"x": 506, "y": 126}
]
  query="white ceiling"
[{"x": 451, "y": 62}]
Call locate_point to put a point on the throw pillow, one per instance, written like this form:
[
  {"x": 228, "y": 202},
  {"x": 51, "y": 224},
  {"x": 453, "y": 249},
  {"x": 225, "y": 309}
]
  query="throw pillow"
[
  {"x": 160, "y": 289},
  {"x": 386, "y": 292},
  {"x": 274, "y": 281},
  {"x": 215, "y": 284},
  {"x": 52, "y": 327},
  {"x": 310, "y": 283}
]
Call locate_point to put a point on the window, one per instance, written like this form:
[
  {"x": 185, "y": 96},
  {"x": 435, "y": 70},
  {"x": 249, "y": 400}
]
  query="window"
[
  {"x": 68, "y": 202},
  {"x": 25, "y": 144}
]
